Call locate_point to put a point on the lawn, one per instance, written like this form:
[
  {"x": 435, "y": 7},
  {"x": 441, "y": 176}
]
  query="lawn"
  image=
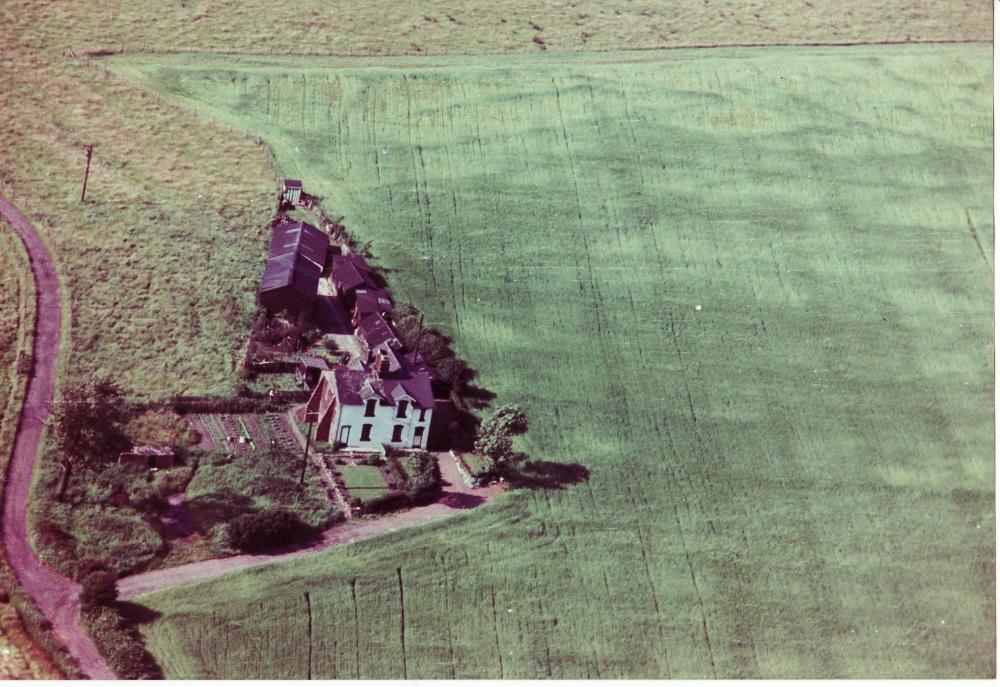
[
  {"x": 749, "y": 292},
  {"x": 363, "y": 481}
]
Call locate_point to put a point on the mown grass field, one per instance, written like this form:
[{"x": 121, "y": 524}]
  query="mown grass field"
[{"x": 793, "y": 480}]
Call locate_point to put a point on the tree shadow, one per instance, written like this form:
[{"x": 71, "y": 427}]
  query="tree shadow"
[
  {"x": 546, "y": 474},
  {"x": 137, "y": 614},
  {"x": 208, "y": 510},
  {"x": 460, "y": 501}
]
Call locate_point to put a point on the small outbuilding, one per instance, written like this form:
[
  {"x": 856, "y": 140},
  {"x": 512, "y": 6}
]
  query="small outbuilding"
[
  {"x": 152, "y": 457},
  {"x": 309, "y": 369},
  {"x": 291, "y": 191}
]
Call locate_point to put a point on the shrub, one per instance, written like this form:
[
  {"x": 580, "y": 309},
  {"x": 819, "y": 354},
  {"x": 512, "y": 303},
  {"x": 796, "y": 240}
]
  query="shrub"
[
  {"x": 100, "y": 588},
  {"x": 121, "y": 644},
  {"x": 86, "y": 566},
  {"x": 424, "y": 477},
  {"x": 387, "y": 502},
  {"x": 266, "y": 529}
]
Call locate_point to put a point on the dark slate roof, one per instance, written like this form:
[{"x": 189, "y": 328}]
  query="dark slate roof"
[
  {"x": 348, "y": 384},
  {"x": 313, "y": 362},
  {"x": 372, "y": 301},
  {"x": 293, "y": 183},
  {"x": 349, "y": 272},
  {"x": 415, "y": 385},
  {"x": 375, "y": 330},
  {"x": 290, "y": 270},
  {"x": 302, "y": 238}
]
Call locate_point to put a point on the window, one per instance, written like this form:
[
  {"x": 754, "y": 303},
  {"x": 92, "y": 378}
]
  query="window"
[
  {"x": 366, "y": 432},
  {"x": 397, "y": 433},
  {"x": 370, "y": 407},
  {"x": 423, "y": 414},
  {"x": 401, "y": 410}
]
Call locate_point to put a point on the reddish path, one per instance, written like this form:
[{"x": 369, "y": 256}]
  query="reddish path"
[
  {"x": 455, "y": 497},
  {"x": 55, "y": 595}
]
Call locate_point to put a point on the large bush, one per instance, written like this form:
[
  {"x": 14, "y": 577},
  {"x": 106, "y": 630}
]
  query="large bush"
[
  {"x": 266, "y": 530},
  {"x": 120, "y": 642},
  {"x": 100, "y": 588}
]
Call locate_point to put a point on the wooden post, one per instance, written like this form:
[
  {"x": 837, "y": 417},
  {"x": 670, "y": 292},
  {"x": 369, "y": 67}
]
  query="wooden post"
[
  {"x": 305, "y": 455},
  {"x": 86, "y": 175},
  {"x": 420, "y": 334}
]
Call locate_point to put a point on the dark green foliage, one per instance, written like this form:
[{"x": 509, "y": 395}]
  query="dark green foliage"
[
  {"x": 387, "y": 502},
  {"x": 121, "y": 643},
  {"x": 424, "y": 476},
  {"x": 496, "y": 436},
  {"x": 88, "y": 425},
  {"x": 99, "y": 588},
  {"x": 264, "y": 530}
]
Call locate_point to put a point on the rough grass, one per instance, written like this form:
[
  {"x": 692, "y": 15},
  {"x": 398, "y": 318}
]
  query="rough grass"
[
  {"x": 225, "y": 488},
  {"x": 339, "y": 27},
  {"x": 795, "y": 480}
]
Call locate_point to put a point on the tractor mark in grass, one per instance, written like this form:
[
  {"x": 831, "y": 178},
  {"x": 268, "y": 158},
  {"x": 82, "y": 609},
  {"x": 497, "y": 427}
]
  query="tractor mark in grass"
[
  {"x": 402, "y": 619},
  {"x": 975, "y": 235},
  {"x": 447, "y": 611},
  {"x": 701, "y": 602},
  {"x": 309, "y": 635},
  {"x": 496, "y": 632},
  {"x": 357, "y": 630},
  {"x": 649, "y": 576}
]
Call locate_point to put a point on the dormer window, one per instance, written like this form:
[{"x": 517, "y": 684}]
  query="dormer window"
[
  {"x": 383, "y": 364},
  {"x": 402, "y": 408},
  {"x": 370, "y": 407}
]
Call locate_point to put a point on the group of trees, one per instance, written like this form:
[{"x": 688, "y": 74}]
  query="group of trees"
[{"x": 88, "y": 424}]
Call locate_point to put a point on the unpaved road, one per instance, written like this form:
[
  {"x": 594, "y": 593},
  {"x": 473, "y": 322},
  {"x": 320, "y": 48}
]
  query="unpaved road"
[
  {"x": 455, "y": 497},
  {"x": 56, "y": 596}
]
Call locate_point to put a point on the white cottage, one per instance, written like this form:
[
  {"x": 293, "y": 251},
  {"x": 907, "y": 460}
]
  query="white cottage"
[{"x": 387, "y": 404}]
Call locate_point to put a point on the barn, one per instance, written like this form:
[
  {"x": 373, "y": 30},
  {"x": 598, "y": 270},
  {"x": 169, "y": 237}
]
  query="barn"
[{"x": 297, "y": 258}]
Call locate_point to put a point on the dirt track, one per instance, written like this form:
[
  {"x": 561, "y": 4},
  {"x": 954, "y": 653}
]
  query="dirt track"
[
  {"x": 455, "y": 497},
  {"x": 55, "y": 595}
]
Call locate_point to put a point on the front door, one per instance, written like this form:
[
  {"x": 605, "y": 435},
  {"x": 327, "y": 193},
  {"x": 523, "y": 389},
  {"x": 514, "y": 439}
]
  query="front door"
[
  {"x": 418, "y": 437},
  {"x": 345, "y": 434}
]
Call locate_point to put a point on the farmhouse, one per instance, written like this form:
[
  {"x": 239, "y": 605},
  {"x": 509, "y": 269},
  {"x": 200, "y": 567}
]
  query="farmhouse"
[
  {"x": 297, "y": 258},
  {"x": 366, "y": 408},
  {"x": 291, "y": 191}
]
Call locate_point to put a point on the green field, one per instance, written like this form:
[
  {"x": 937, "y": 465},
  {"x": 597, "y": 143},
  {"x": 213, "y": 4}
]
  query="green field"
[
  {"x": 793, "y": 480},
  {"x": 363, "y": 481}
]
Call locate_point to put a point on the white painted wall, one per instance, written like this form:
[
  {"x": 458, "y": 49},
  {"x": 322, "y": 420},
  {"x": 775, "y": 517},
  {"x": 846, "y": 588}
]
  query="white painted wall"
[{"x": 383, "y": 422}]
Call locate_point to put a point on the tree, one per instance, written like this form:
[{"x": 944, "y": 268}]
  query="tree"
[
  {"x": 496, "y": 435},
  {"x": 99, "y": 589},
  {"x": 87, "y": 425}
]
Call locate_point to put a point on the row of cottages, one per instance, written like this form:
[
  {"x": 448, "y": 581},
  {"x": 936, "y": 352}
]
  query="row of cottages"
[
  {"x": 396, "y": 398},
  {"x": 299, "y": 254}
]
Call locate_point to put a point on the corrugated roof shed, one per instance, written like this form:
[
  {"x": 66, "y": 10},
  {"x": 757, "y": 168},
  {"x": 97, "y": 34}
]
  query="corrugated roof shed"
[
  {"x": 302, "y": 238},
  {"x": 375, "y": 330},
  {"x": 292, "y": 270},
  {"x": 350, "y": 272}
]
